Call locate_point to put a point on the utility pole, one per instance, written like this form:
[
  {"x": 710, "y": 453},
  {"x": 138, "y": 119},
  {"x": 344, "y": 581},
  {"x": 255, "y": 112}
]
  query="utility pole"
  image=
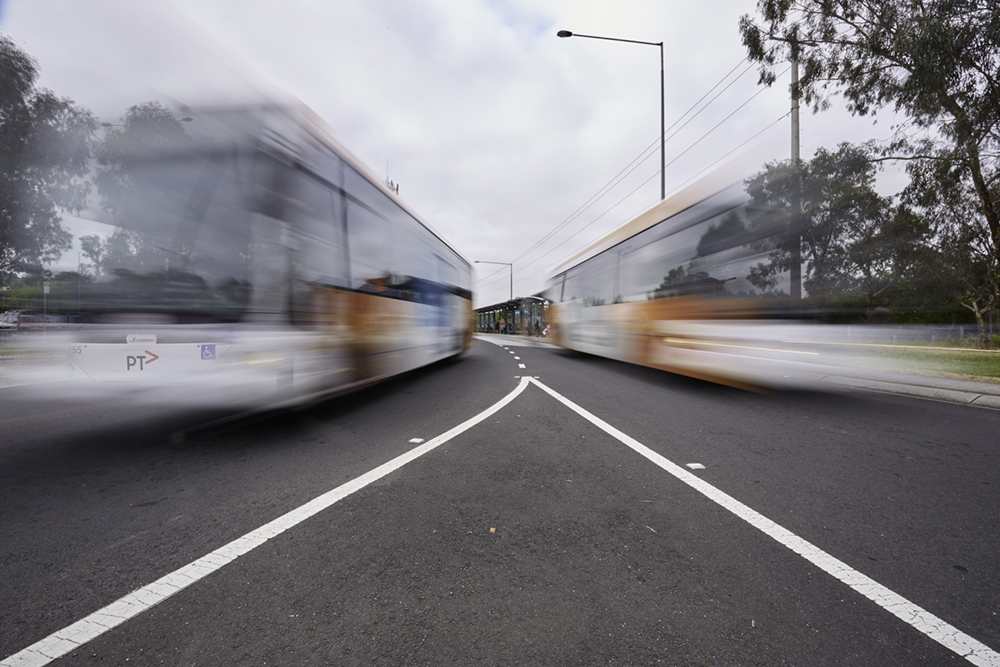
[
  {"x": 795, "y": 287},
  {"x": 795, "y": 105}
]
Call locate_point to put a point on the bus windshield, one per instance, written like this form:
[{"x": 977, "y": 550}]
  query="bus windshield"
[{"x": 182, "y": 239}]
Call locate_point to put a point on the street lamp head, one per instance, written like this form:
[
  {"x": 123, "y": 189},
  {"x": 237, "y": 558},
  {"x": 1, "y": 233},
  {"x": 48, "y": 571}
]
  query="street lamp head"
[{"x": 564, "y": 33}]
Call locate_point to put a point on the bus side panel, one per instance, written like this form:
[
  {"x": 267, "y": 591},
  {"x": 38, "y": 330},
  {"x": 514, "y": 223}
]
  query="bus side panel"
[{"x": 668, "y": 334}]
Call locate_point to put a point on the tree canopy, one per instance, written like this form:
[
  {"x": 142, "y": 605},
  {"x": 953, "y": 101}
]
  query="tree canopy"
[
  {"x": 963, "y": 258},
  {"x": 850, "y": 237},
  {"x": 44, "y": 153},
  {"x": 936, "y": 61}
]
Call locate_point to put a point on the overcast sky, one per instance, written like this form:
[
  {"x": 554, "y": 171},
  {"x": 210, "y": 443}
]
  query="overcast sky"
[{"x": 495, "y": 130}]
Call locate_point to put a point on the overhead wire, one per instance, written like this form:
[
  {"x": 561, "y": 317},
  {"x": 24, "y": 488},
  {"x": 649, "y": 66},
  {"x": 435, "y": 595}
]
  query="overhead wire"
[
  {"x": 490, "y": 276},
  {"x": 615, "y": 180},
  {"x": 644, "y": 155},
  {"x": 766, "y": 128},
  {"x": 717, "y": 125},
  {"x": 621, "y": 174},
  {"x": 681, "y": 154}
]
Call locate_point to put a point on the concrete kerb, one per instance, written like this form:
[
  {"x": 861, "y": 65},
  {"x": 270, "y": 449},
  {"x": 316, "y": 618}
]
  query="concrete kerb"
[{"x": 976, "y": 394}]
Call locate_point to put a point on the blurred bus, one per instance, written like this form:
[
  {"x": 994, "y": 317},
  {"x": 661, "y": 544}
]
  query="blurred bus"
[
  {"x": 251, "y": 260},
  {"x": 682, "y": 287}
]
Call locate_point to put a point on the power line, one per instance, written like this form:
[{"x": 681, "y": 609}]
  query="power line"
[
  {"x": 617, "y": 178},
  {"x": 601, "y": 192},
  {"x": 769, "y": 126},
  {"x": 613, "y": 182},
  {"x": 491, "y": 275},
  {"x": 775, "y": 122},
  {"x": 644, "y": 155}
]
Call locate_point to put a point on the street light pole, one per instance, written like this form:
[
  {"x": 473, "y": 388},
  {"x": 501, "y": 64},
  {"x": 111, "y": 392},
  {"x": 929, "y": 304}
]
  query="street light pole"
[
  {"x": 663, "y": 129},
  {"x": 511, "y": 265}
]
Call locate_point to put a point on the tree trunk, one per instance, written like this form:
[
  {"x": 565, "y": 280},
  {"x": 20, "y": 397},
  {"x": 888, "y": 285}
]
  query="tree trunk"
[
  {"x": 985, "y": 199},
  {"x": 983, "y": 335},
  {"x": 966, "y": 139}
]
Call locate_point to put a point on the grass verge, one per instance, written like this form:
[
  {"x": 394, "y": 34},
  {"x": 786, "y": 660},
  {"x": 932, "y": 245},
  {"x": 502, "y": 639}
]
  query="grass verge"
[{"x": 949, "y": 362}]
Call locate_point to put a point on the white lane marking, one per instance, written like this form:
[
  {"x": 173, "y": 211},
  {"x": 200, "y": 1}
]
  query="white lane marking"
[
  {"x": 520, "y": 366},
  {"x": 518, "y": 358},
  {"x": 937, "y": 629},
  {"x": 73, "y": 636},
  {"x": 695, "y": 466},
  {"x": 416, "y": 441},
  {"x": 511, "y": 351}
]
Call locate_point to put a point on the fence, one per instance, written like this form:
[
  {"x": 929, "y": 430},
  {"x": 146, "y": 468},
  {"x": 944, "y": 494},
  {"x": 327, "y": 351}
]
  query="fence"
[{"x": 929, "y": 334}]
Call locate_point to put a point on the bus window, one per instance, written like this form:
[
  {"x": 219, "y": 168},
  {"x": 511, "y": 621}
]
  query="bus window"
[{"x": 314, "y": 214}]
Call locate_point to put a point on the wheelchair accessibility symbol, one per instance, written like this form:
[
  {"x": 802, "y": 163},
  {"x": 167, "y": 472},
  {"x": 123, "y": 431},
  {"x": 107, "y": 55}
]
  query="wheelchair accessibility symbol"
[{"x": 208, "y": 351}]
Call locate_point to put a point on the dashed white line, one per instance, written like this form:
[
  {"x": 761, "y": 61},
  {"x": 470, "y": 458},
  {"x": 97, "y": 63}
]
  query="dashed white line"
[
  {"x": 72, "y": 637},
  {"x": 521, "y": 366},
  {"x": 937, "y": 629}
]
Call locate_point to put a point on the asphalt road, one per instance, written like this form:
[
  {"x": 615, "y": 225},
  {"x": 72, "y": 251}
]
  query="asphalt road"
[{"x": 534, "y": 537}]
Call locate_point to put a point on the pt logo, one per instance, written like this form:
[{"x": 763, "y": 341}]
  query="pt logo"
[{"x": 140, "y": 359}]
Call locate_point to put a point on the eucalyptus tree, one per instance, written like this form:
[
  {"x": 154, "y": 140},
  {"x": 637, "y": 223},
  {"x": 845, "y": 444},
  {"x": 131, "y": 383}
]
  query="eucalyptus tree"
[
  {"x": 935, "y": 61},
  {"x": 44, "y": 154},
  {"x": 965, "y": 261},
  {"x": 848, "y": 236}
]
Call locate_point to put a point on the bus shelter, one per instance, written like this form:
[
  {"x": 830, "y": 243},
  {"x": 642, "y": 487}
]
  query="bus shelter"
[{"x": 524, "y": 316}]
